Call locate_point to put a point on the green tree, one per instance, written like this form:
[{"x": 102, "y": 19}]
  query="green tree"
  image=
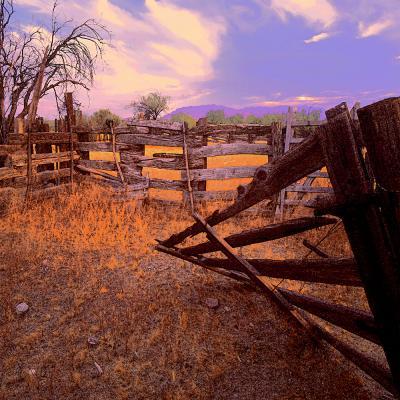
[
  {"x": 268, "y": 119},
  {"x": 236, "y": 119},
  {"x": 100, "y": 117},
  {"x": 216, "y": 117},
  {"x": 151, "y": 106},
  {"x": 252, "y": 119},
  {"x": 182, "y": 117}
]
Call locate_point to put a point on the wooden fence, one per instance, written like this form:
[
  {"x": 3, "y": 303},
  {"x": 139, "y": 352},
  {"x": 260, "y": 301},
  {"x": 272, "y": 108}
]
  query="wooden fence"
[
  {"x": 363, "y": 162},
  {"x": 203, "y": 142}
]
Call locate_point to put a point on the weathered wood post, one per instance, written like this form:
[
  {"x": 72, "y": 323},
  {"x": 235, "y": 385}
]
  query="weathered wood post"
[
  {"x": 380, "y": 127},
  {"x": 277, "y": 140},
  {"x": 202, "y": 185},
  {"x": 130, "y": 158},
  {"x": 368, "y": 237},
  {"x": 19, "y": 126},
  {"x": 280, "y": 210},
  {"x": 71, "y": 123}
]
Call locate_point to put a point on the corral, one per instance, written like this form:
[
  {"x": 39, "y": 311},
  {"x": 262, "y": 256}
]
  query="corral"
[{"x": 360, "y": 158}]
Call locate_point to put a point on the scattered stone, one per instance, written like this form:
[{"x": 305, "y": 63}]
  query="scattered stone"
[
  {"x": 251, "y": 325},
  {"x": 22, "y": 308},
  {"x": 212, "y": 303},
  {"x": 227, "y": 309},
  {"x": 32, "y": 372},
  {"x": 98, "y": 368},
  {"x": 93, "y": 341},
  {"x": 45, "y": 265}
]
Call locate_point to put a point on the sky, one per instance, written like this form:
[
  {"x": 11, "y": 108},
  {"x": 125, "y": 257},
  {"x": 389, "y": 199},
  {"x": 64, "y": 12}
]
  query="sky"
[{"x": 237, "y": 53}]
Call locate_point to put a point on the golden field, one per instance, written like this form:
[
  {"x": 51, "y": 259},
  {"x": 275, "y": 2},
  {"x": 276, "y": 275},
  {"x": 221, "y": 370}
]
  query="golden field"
[{"x": 87, "y": 268}]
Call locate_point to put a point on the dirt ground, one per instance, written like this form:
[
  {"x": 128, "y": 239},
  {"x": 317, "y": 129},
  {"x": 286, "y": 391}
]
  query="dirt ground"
[{"x": 152, "y": 334}]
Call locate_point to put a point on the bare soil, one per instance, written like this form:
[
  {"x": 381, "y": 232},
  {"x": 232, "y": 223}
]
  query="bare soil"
[{"x": 157, "y": 339}]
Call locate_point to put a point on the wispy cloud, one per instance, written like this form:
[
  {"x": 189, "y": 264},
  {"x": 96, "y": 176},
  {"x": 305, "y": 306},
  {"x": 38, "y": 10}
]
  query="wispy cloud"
[
  {"x": 318, "y": 37},
  {"x": 366, "y": 30},
  {"x": 315, "y": 12}
]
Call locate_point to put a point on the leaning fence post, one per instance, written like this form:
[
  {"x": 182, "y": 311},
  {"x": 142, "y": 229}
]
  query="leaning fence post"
[{"x": 364, "y": 227}]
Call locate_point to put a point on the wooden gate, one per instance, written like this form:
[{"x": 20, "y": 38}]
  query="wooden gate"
[{"x": 363, "y": 162}]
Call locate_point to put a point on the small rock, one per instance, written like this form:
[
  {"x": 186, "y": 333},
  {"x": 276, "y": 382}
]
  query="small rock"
[
  {"x": 93, "y": 341},
  {"x": 98, "y": 368},
  {"x": 212, "y": 303},
  {"x": 227, "y": 309},
  {"x": 251, "y": 325},
  {"x": 45, "y": 265},
  {"x": 21, "y": 308},
  {"x": 31, "y": 372}
]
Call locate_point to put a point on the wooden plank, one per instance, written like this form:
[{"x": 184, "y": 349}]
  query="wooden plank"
[
  {"x": 356, "y": 321},
  {"x": 220, "y": 173},
  {"x": 314, "y": 249},
  {"x": 98, "y": 164},
  {"x": 193, "y": 260},
  {"x": 231, "y": 149},
  {"x": 150, "y": 140},
  {"x": 335, "y": 271},
  {"x": 10, "y": 173},
  {"x": 52, "y": 138},
  {"x": 154, "y": 183},
  {"x": 318, "y": 174},
  {"x": 365, "y": 228},
  {"x": 223, "y": 195},
  {"x": 260, "y": 235},
  {"x": 96, "y": 172},
  {"x": 157, "y": 124},
  {"x": 100, "y": 146},
  {"x": 169, "y": 163},
  {"x": 269, "y": 179},
  {"x": 291, "y": 202},
  {"x": 309, "y": 189}
]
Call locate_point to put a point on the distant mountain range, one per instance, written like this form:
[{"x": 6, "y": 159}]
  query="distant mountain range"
[{"x": 201, "y": 111}]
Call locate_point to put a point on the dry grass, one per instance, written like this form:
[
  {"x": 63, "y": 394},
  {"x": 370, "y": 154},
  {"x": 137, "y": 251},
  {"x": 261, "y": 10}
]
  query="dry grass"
[{"x": 86, "y": 266}]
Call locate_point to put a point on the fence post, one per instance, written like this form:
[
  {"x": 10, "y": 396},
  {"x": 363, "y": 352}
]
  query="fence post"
[
  {"x": 279, "y": 214},
  {"x": 277, "y": 151},
  {"x": 365, "y": 229},
  {"x": 129, "y": 159},
  {"x": 202, "y": 185}
]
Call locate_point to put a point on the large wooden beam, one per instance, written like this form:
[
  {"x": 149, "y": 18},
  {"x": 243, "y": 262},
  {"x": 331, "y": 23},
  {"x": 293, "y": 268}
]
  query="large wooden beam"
[
  {"x": 269, "y": 179},
  {"x": 356, "y": 321},
  {"x": 336, "y": 271},
  {"x": 264, "y": 234},
  {"x": 363, "y": 222}
]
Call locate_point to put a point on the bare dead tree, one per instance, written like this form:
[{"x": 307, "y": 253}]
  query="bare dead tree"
[{"x": 70, "y": 60}]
